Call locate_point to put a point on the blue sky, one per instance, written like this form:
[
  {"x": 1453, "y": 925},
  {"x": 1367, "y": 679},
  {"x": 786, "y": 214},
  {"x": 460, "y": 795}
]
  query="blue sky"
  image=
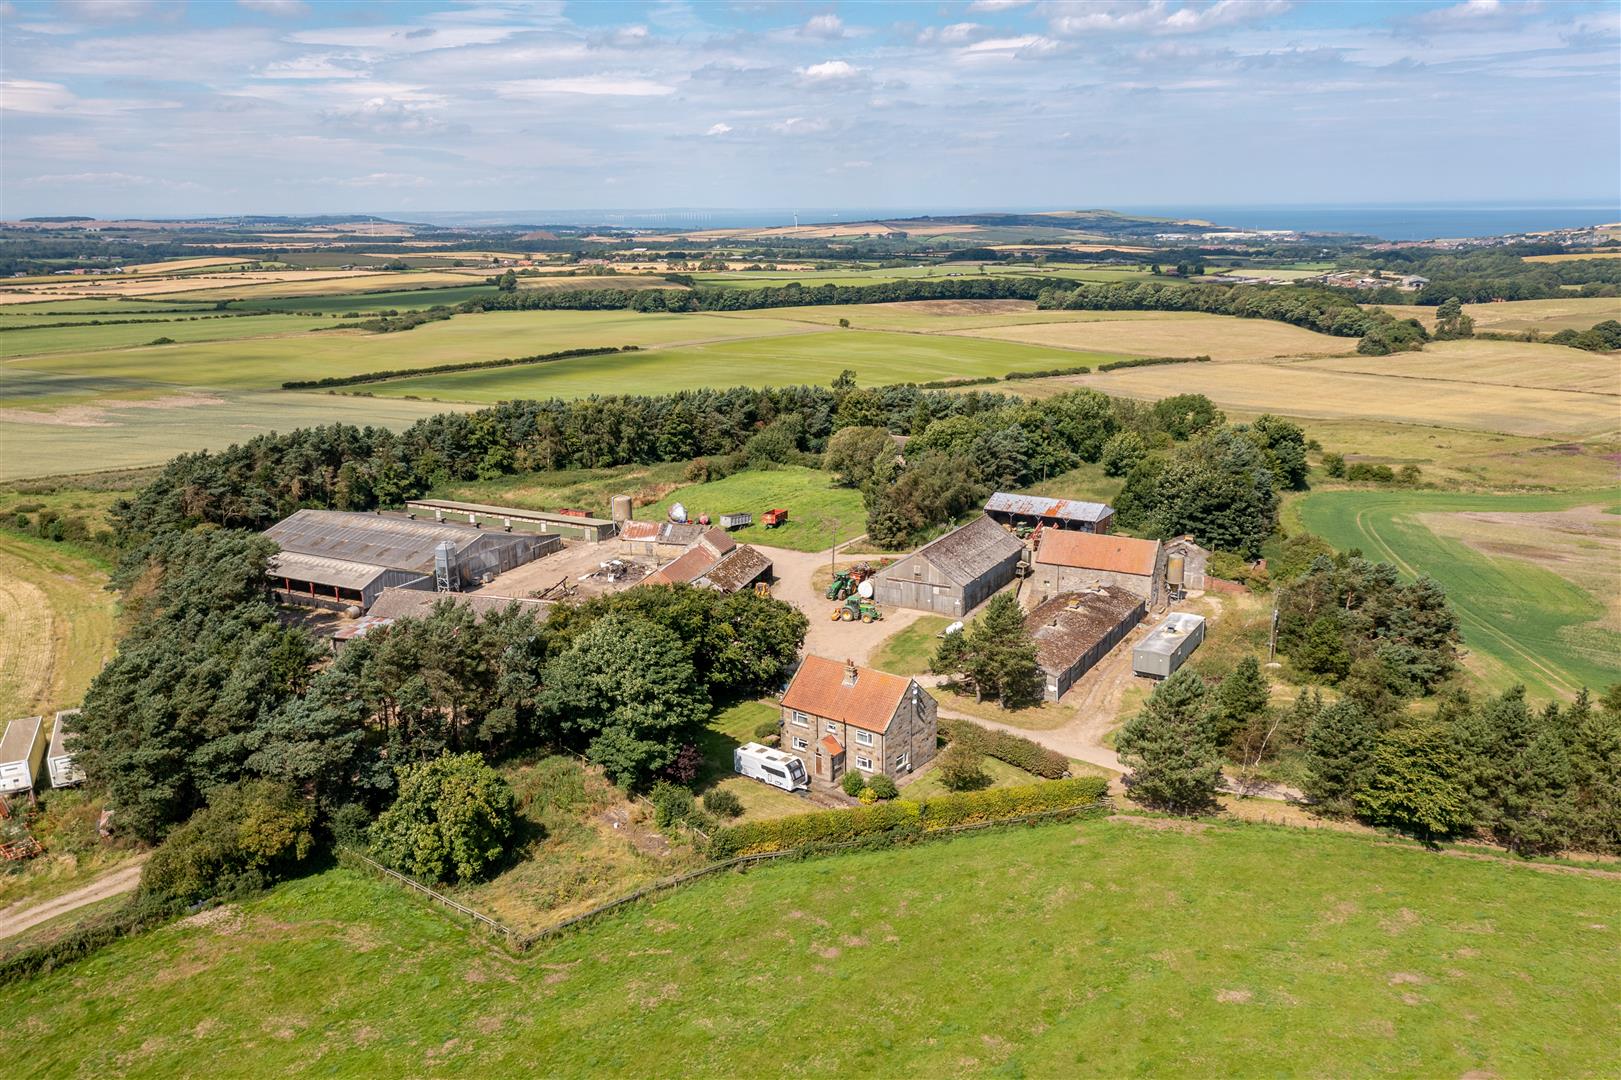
[{"x": 284, "y": 106}]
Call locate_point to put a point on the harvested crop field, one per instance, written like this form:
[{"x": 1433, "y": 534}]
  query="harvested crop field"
[
  {"x": 1514, "y": 316},
  {"x": 1309, "y": 390},
  {"x": 1220, "y": 337},
  {"x": 1497, "y": 363},
  {"x": 56, "y": 625}
]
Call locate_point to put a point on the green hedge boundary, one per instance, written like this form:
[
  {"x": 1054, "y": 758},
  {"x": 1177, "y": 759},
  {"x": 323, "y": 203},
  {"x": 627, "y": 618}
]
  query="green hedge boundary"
[
  {"x": 1015, "y": 750},
  {"x": 1153, "y": 361},
  {"x": 442, "y": 369},
  {"x": 903, "y": 819},
  {"x": 140, "y": 914}
]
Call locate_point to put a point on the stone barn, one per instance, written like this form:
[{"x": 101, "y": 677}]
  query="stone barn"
[
  {"x": 1073, "y": 631},
  {"x": 1082, "y": 562},
  {"x": 954, "y": 574}
]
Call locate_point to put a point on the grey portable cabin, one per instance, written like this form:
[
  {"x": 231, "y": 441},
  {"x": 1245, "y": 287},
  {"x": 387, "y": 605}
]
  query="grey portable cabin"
[
  {"x": 515, "y": 519},
  {"x": 1168, "y": 645},
  {"x": 59, "y": 760},
  {"x": 22, "y": 754},
  {"x": 954, "y": 574}
]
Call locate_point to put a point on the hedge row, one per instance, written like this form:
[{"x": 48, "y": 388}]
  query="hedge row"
[
  {"x": 952, "y": 384},
  {"x": 1016, "y": 750},
  {"x": 143, "y": 913},
  {"x": 441, "y": 369},
  {"x": 903, "y": 819},
  {"x": 1152, "y": 361},
  {"x": 1049, "y": 373}
]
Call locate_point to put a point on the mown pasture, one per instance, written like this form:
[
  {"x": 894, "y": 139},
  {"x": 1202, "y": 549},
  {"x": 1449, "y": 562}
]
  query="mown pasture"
[
  {"x": 804, "y": 356},
  {"x": 820, "y": 513},
  {"x": 1515, "y": 316},
  {"x": 1104, "y": 947},
  {"x": 45, "y": 339},
  {"x": 57, "y": 625},
  {"x": 1496, "y": 363},
  {"x": 1535, "y": 612},
  {"x": 393, "y": 300}
]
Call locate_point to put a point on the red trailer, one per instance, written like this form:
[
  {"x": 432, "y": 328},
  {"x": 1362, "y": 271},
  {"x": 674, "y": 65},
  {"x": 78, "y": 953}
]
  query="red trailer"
[{"x": 772, "y": 518}]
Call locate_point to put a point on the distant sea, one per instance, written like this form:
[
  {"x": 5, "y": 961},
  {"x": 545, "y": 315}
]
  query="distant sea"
[{"x": 1386, "y": 222}]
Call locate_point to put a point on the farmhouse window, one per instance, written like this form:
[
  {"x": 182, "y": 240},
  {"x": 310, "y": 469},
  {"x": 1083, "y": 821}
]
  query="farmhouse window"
[
  {"x": 864, "y": 738},
  {"x": 801, "y": 720},
  {"x": 800, "y": 744},
  {"x": 832, "y": 727},
  {"x": 863, "y": 763}
]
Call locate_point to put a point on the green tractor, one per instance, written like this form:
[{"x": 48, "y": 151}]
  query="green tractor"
[
  {"x": 841, "y": 586},
  {"x": 857, "y": 607}
]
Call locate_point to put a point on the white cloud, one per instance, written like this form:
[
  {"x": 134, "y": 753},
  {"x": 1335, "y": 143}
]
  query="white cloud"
[
  {"x": 1157, "y": 16},
  {"x": 109, "y": 179},
  {"x": 593, "y": 85},
  {"x": 800, "y": 125},
  {"x": 377, "y": 179},
  {"x": 27, "y": 96},
  {"x": 1024, "y": 45},
  {"x": 388, "y": 114},
  {"x": 317, "y": 66},
  {"x": 953, "y": 34},
  {"x": 830, "y": 71},
  {"x": 996, "y": 5},
  {"x": 719, "y": 129},
  {"x": 824, "y": 27},
  {"x": 281, "y": 8},
  {"x": 631, "y": 36}
]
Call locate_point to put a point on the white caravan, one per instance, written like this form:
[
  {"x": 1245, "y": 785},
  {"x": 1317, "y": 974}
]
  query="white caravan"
[{"x": 770, "y": 766}]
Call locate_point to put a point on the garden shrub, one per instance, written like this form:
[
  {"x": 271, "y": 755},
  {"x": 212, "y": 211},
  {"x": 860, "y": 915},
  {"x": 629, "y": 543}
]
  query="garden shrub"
[
  {"x": 1015, "y": 750},
  {"x": 978, "y": 807},
  {"x": 853, "y": 784},
  {"x": 868, "y": 796},
  {"x": 962, "y": 767},
  {"x": 722, "y": 803},
  {"x": 882, "y": 787},
  {"x": 349, "y": 824},
  {"x": 672, "y": 804},
  {"x": 766, "y": 729}
]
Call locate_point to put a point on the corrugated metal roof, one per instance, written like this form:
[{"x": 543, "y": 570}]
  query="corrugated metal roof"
[
  {"x": 1040, "y": 506},
  {"x": 339, "y": 572},
  {"x": 394, "y": 541},
  {"x": 1064, "y": 634},
  {"x": 684, "y": 569},
  {"x": 18, "y": 740},
  {"x": 1165, "y": 637},
  {"x": 60, "y": 732},
  {"x": 398, "y": 603},
  {"x": 1098, "y": 551},
  {"x": 965, "y": 554},
  {"x": 514, "y": 512}
]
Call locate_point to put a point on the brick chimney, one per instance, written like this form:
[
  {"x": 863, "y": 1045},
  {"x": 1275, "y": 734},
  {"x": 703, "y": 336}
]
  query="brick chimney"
[{"x": 851, "y": 673}]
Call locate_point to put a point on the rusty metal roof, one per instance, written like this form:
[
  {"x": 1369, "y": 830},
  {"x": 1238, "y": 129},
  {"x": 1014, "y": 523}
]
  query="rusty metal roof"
[
  {"x": 1040, "y": 506},
  {"x": 1098, "y": 551},
  {"x": 740, "y": 568}
]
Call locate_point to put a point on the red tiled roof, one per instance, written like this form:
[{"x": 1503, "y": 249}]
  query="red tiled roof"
[
  {"x": 818, "y": 689},
  {"x": 1098, "y": 551},
  {"x": 831, "y": 745}
]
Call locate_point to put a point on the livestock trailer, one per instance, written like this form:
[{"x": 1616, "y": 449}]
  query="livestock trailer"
[
  {"x": 1168, "y": 645},
  {"x": 758, "y": 762},
  {"x": 59, "y": 762},
  {"x": 22, "y": 753}
]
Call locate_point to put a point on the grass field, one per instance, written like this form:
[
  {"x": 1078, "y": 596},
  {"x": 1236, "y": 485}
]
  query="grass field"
[
  {"x": 265, "y": 363},
  {"x": 57, "y": 624},
  {"x": 117, "y": 435},
  {"x": 802, "y": 357},
  {"x": 180, "y": 328},
  {"x": 1100, "y": 948},
  {"x": 820, "y": 512},
  {"x": 942, "y": 316},
  {"x": 1221, "y": 337},
  {"x": 1523, "y": 620},
  {"x": 728, "y": 729},
  {"x": 399, "y": 300}
]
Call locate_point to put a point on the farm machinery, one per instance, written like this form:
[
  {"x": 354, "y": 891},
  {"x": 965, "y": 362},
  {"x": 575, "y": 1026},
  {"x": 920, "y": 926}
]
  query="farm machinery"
[
  {"x": 857, "y": 604},
  {"x": 848, "y": 582}
]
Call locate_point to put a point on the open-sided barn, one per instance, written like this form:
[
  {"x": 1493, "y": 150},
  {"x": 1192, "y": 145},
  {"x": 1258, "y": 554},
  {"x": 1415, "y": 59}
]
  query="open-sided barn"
[
  {"x": 336, "y": 559},
  {"x": 954, "y": 574},
  {"x": 1033, "y": 510}
]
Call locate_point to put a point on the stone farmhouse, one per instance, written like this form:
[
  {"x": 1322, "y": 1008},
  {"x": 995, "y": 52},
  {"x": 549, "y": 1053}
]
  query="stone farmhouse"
[{"x": 840, "y": 716}]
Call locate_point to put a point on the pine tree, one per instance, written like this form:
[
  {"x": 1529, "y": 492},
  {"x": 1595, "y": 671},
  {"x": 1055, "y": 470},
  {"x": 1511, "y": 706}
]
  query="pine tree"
[
  {"x": 1339, "y": 755},
  {"x": 1596, "y": 772},
  {"x": 997, "y": 654},
  {"x": 1171, "y": 749},
  {"x": 1323, "y": 651},
  {"x": 1240, "y": 698}
]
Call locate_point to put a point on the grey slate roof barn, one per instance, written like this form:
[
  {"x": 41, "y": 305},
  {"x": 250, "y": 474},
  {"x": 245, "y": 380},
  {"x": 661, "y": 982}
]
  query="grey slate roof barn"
[
  {"x": 1073, "y": 631},
  {"x": 954, "y": 574}
]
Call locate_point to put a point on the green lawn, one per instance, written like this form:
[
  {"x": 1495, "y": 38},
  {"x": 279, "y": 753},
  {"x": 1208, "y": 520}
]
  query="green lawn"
[
  {"x": 908, "y": 651},
  {"x": 1525, "y": 622},
  {"x": 1098, "y": 948},
  {"x": 813, "y": 357},
  {"x": 819, "y": 511},
  {"x": 728, "y": 729},
  {"x": 591, "y": 490},
  {"x": 403, "y": 300},
  {"x": 928, "y": 785}
]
